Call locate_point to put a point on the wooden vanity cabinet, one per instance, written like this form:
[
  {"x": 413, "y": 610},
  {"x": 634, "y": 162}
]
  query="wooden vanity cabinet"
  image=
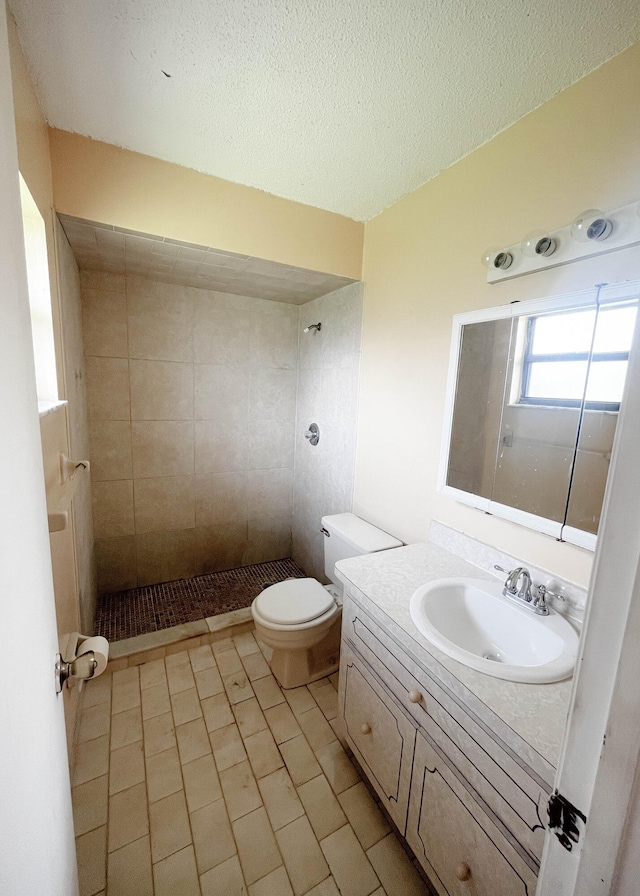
[
  {"x": 466, "y": 802},
  {"x": 381, "y": 736},
  {"x": 458, "y": 845}
]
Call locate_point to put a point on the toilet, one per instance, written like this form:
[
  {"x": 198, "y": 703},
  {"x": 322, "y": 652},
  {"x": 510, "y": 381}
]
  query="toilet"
[{"x": 300, "y": 619}]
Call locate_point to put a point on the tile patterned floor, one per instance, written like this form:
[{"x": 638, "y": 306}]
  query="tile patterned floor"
[
  {"x": 196, "y": 775},
  {"x": 127, "y": 614}
]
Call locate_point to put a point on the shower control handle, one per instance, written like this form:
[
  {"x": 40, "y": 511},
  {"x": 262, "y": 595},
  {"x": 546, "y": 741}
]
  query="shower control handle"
[{"x": 313, "y": 434}]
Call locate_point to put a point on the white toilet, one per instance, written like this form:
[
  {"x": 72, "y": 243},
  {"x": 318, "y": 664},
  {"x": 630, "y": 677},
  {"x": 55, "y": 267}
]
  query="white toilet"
[{"x": 299, "y": 619}]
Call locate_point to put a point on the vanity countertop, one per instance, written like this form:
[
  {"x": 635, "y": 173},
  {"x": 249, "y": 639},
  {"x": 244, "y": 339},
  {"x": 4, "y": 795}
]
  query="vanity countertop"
[{"x": 535, "y": 712}]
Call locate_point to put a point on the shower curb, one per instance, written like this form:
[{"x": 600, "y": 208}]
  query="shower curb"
[{"x": 157, "y": 645}]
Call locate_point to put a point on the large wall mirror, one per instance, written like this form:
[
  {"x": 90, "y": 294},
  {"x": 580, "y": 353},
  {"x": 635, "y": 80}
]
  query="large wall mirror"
[{"x": 533, "y": 399}]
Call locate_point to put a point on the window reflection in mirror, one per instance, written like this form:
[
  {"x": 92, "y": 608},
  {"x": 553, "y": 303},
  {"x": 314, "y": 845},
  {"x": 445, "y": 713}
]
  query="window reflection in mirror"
[{"x": 611, "y": 345}]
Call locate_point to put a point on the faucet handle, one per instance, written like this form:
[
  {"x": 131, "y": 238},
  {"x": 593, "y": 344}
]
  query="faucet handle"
[
  {"x": 540, "y": 600},
  {"x": 544, "y": 592}
]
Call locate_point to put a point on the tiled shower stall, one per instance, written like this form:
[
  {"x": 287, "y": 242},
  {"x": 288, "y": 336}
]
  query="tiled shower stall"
[{"x": 198, "y": 401}]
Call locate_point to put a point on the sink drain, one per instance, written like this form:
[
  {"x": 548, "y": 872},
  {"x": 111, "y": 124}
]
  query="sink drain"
[{"x": 494, "y": 657}]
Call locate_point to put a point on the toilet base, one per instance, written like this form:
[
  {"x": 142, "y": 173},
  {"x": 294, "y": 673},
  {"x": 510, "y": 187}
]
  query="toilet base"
[{"x": 295, "y": 668}]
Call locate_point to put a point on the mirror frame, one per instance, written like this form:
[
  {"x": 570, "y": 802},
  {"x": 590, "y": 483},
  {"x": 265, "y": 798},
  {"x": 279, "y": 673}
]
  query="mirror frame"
[{"x": 593, "y": 297}]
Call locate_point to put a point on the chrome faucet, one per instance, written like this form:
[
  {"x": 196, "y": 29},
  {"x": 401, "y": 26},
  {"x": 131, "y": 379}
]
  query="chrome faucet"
[
  {"x": 512, "y": 586},
  {"x": 518, "y": 586}
]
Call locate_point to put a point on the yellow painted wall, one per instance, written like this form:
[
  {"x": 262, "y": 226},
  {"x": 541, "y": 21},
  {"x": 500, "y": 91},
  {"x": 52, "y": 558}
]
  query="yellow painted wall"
[
  {"x": 104, "y": 183},
  {"x": 422, "y": 265}
]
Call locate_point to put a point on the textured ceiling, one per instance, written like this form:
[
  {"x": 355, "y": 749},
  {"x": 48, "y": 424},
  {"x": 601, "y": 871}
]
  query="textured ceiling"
[
  {"x": 342, "y": 104},
  {"x": 100, "y": 247}
]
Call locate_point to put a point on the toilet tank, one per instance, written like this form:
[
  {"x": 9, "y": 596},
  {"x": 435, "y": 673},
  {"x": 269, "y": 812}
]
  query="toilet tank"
[{"x": 349, "y": 536}]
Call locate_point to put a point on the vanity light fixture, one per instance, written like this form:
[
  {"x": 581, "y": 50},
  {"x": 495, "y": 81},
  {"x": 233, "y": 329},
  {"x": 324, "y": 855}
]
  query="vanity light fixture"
[{"x": 593, "y": 232}]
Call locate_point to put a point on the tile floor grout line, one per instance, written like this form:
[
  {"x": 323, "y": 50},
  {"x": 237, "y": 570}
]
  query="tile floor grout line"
[{"x": 320, "y": 711}]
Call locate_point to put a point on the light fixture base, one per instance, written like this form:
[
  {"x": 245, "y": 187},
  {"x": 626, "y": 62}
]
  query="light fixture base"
[{"x": 617, "y": 229}]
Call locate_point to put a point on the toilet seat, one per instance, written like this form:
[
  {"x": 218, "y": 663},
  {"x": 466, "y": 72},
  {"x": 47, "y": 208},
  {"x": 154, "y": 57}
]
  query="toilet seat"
[{"x": 294, "y": 602}]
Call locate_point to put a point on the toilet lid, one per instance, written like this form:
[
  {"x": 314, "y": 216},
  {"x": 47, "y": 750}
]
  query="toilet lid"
[{"x": 294, "y": 601}]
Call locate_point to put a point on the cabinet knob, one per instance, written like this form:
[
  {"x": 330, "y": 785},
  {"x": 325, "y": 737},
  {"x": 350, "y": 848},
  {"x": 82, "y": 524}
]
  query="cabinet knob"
[
  {"x": 365, "y": 728},
  {"x": 415, "y": 696},
  {"x": 463, "y": 872}
]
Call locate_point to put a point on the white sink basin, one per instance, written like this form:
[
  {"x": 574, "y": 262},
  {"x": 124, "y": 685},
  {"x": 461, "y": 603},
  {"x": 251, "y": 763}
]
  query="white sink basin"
[{"x": 471, "y": 621}]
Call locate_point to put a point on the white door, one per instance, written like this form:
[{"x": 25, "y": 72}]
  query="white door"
[
  {"x": 37, "y": 853},
  {"x": 602, "y": 739}
]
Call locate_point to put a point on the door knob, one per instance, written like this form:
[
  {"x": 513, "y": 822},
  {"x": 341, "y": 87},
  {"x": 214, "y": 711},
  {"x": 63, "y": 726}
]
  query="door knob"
[
  {"x": 463, "y": 872},
  {"x": 365, "y": 728}
]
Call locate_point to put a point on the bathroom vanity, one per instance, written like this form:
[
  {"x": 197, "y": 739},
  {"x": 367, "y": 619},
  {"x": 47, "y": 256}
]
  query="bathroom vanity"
[{"x": 464, "y": 763}]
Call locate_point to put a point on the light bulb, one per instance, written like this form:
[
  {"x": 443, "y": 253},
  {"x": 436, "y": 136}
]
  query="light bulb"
[
  {"x": 488, "y": 256},
  {"x": 503, "y": 260},
  {"x": 591, "y": 225},
  {"x": 538, "y": 243}
]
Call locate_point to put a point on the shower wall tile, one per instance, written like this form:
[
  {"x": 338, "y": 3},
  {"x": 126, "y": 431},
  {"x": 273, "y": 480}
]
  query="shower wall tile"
[
  {"x": 221, "y": 447},
  {"x": 162, "y": 448},
  {"x": 113, "y": 508},
  {"x": 165, "y": 556},
  {"x": 308, "y": 397},
  {"x": 271, "y": 445},
  {"x": 310, "y": 344},
  {"x": 110, "y": 446},
  {"x": 108, "y": 388},
  {"x": 274, "y": 340},
  {"x": 102, "y": 280},
  {"x": 160, "y": 321},
  {"x": 270, "y": 491},
  {"x": 104, "y": 323},
  {"x": 222, "y": 335},
  {"x": 221, "y": 498},
  {"x": 222, "y": 546},
  {"x": 192, "y": 397},
  {"x": 308, "y": 547},
  {"x": 116, "y": 562},
  {"x": 339, "y": 390},
  {"x": 329, "y": 364},
  {"x": 161, "y": 390},
  {"x": 221, "y": 393},
  {"x": 273, "y": 394},
  {"x": 78, "y": 423},
  {"x": 314, "y": 499},
  {"x": 269, "y": 538},
  {"x": 164, "y": 503}
]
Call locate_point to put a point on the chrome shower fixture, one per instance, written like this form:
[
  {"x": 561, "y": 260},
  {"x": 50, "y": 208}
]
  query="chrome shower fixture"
[{"x": 317, "y": 327}]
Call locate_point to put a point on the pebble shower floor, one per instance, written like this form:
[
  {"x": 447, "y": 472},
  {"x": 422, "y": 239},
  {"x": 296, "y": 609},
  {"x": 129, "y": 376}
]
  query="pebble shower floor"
[{"x": 140, "y": 611}]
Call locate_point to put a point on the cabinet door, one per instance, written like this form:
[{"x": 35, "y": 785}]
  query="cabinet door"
[
  {"x": 461, "y": 849},
  {"x": 380, "y": 735}
]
